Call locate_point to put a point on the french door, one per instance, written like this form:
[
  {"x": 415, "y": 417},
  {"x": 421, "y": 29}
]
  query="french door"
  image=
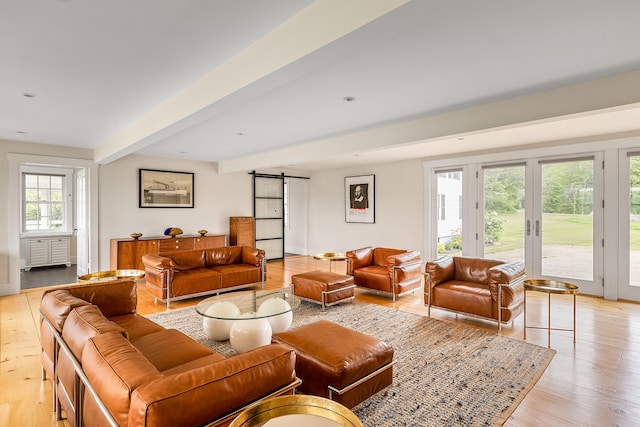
[
  {"x": 629, "y": 225},
  {"x": 547, "y": 213}
]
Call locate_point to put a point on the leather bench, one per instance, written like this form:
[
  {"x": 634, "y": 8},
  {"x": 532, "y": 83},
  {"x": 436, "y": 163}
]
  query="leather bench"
[
  {"x": 338, "y": 363},
  {"x": 323, "y": 287}
]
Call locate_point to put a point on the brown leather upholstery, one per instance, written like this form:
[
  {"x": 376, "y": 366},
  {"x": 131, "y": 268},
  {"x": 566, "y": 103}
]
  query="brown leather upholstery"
[
  {"x": 328, "y": 354},
  {"x": 324, "y": 287},
  {"x": 472, "y": 285},
  {"x": 200, "y": 272},
  {"x": 395, "y": 271},
  {"x": 143, "y": 373}
]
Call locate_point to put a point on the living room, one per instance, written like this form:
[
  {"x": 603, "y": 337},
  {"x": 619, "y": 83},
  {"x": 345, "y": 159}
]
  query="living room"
[{"x": 580, "y": 113}]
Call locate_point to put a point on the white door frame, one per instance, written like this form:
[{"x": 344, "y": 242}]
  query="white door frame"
[{"x": 13, "y": 206}]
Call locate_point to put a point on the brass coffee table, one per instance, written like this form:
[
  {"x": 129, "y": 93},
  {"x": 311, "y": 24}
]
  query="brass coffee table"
[
  {"x": 550, "y": 287},
  {"x": 107, "y": 276},
  {"x": 297, "y": 410}
]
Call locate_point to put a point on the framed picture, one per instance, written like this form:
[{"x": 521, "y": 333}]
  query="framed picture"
[
  {"x": 165, "y": 189},
  {"x": 360, "y": 199}
]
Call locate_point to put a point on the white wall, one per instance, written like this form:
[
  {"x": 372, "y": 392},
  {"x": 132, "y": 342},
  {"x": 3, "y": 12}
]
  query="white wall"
[
  {"x": 216, "y": 198},
  {"x": 399, "y": 209},
  {"x": 295, "y": 236}
]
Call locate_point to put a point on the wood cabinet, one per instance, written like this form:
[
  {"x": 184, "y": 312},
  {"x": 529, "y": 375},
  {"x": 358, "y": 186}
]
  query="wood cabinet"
[
  {"x": 242, "y": 231},
  {"x": 127, "y": 253}
]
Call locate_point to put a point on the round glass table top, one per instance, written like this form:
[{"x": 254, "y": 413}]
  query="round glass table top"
[{"x": 251, "y": 304}]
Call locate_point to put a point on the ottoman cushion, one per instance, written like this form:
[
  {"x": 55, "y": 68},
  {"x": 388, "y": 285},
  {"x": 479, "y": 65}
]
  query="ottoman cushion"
[
  {"x": 328, "y": 354},
  {"x": 311, "y": 285}
]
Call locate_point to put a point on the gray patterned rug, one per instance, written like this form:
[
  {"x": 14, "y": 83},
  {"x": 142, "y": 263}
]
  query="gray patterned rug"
[{"x": 446, "y": 374}]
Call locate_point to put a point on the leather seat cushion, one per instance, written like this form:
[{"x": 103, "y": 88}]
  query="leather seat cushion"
[
  {"x": 194, "y": 281},
  {"x": 136, "y": 326},
  {"x": 468, "y": 297},
  {"x": 374, "y": 277},
  {"x": 237, "y": 274},
  {"x": 169, "y": 348}
]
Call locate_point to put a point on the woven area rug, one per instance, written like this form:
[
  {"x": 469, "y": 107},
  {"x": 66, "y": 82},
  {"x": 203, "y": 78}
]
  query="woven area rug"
[{"x": 446, "y": 374}]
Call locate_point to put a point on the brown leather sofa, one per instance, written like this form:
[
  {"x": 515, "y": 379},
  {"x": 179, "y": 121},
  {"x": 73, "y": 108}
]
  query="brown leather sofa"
[
  {"x": 188, "y": 274},
  {"x": 395, "y": 271},
  {"x": 111, "y": 366},
  {"x": 481, "y": 287}
]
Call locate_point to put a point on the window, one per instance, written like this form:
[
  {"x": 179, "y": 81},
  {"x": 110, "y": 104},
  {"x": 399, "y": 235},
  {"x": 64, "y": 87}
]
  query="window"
[
  {"x": 46, "y": 202},
  {"x": 442, "y": 207}
]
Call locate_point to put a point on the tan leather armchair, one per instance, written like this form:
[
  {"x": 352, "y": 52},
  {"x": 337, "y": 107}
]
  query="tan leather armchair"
[
  {"x": 395, "y": 271},
  {"x": 479, "y": 287}
]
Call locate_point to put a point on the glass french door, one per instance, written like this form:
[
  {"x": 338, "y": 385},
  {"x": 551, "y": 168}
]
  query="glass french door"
[
  {"x": 629, "y": 225},
  {"x": 503, "y": 216},
  {"x": 547, "y": 213}
]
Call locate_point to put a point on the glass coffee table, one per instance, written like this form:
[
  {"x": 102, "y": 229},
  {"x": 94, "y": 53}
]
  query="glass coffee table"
[{"x": 247, "y": 318}]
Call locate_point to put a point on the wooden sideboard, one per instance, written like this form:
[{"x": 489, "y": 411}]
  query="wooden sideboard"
[
  {"x": 242, "y": 231},
  {"x": 127, "y": 253}
]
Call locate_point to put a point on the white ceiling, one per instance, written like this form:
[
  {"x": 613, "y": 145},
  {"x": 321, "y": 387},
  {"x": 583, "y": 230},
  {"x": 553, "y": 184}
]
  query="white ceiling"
[{"x": 260, "y": 84}]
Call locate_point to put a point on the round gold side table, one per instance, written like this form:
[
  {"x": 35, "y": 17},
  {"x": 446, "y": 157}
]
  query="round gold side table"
[
  {"x": 297, "y": 410},
  {"x": 106, "y": 276},
  {"x": 550, "y": 287},
  {"x": 331, "y": 257}
]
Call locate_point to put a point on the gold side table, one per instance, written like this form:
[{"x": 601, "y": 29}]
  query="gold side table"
[
  {"x": 297, "y": 410},
  {"x": 550, "y": 287},
  {"x": 107, "y": 276},
  {"x": 331, "y": 257}
]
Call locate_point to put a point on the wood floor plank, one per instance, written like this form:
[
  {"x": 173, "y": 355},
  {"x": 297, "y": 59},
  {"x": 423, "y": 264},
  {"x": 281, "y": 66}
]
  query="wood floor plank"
[{"x": 592, "y": 383}]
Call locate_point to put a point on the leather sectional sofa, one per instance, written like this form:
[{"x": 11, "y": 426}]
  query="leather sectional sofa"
[
  {"x": 394, "y": 271},
  {"x": 111, "y": 366},
  {"x": 188, "y": 274},
  {"x": 481, "y": 287}
]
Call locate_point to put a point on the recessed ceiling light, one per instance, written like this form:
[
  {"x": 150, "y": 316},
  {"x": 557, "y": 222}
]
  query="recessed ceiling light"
[
  {"x": 461, "y": 139},
  {"x": 183, "y": 152},
  {"x": 21, "y": 132},
  {"x": 240, "y": 133},
  {"x": 28, "y": 95},
  {"x": 349, "y": 98}
]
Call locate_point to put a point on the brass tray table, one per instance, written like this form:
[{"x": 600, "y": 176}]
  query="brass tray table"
[{"x": 550, "y": 287}]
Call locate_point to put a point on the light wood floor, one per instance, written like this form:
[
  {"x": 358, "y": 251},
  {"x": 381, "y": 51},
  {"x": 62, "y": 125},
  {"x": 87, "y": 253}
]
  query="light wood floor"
[{"x": 595, "y": 382}]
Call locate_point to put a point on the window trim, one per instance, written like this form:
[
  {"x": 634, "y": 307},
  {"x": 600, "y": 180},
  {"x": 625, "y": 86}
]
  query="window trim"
[{"x": 67, "y": 199}]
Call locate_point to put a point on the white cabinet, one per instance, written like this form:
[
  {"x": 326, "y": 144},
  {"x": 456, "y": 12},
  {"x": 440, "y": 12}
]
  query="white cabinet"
[{"x": 43, "y": 251}]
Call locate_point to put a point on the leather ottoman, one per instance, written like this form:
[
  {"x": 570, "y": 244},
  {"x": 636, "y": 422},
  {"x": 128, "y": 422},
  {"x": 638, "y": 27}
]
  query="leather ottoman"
[
  {"x": 323, "y": 287},
  {"x": 339, "y": 363}
]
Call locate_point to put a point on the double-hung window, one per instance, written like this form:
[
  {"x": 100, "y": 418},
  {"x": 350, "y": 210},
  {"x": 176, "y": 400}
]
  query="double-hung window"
[{"x": 45, "y": 204}]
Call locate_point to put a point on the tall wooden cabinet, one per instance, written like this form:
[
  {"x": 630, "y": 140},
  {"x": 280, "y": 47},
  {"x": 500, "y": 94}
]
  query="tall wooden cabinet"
[
  {"x": 242, "y": 231},
  {"x": 127, "y": 253}
]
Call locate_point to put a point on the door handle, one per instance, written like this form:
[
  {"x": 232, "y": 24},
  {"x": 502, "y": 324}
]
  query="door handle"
[
  {"x": 528, "y": 227},
  {"x": 537, "y": 228}
]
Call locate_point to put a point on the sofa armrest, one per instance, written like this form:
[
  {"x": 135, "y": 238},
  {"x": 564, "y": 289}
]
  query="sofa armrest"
[
  {"x": 439, "y": 271},
  {"x": 252, "y": 256},
  {"x": 214, "y": 391},
  {"x": 405, "y": 266},
  {"x": 359, "y": 258},
  {"x": 157, "y": 262},
  {"x": 510, "y": 274}
]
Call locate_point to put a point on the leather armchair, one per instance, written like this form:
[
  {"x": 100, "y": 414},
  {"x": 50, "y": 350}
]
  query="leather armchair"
[
  {"x": 479, "y": 287},
  {"x": 395, "y": 271}
]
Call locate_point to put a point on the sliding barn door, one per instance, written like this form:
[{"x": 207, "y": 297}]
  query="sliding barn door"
[{"x": 268, "y": 210}]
